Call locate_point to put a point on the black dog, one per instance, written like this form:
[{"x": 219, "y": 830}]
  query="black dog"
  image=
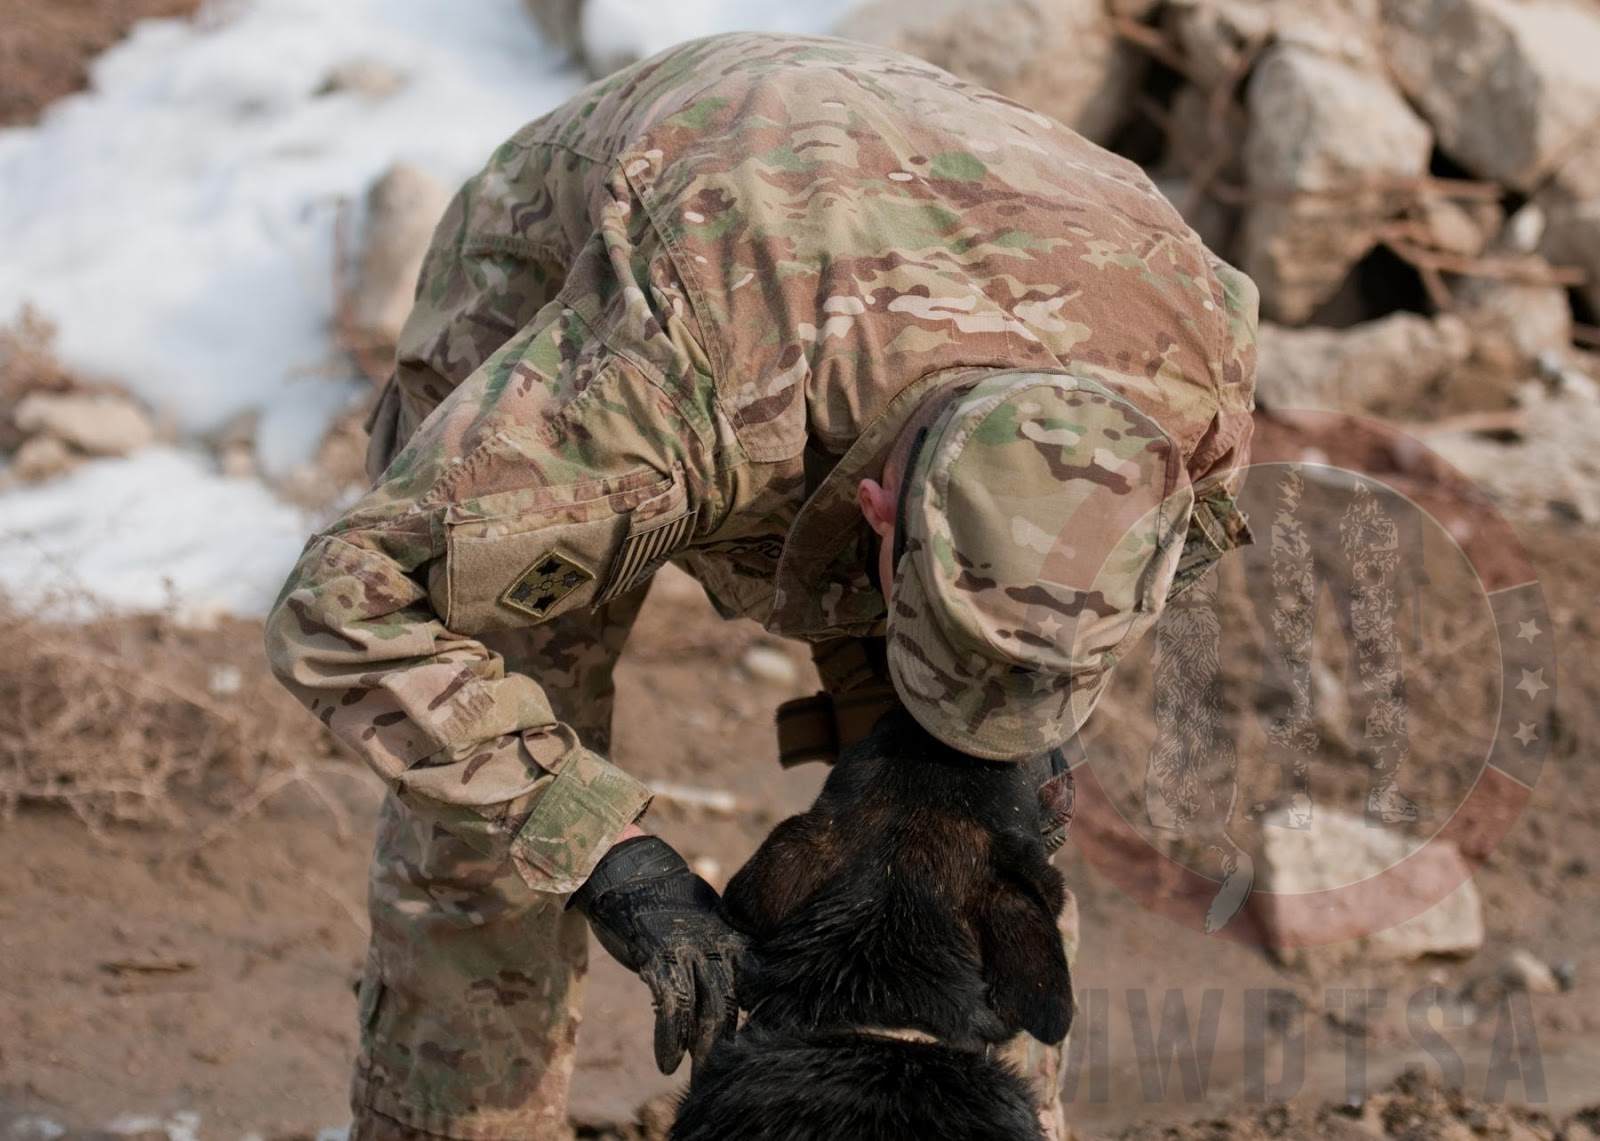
[{"x": 900, "y": 930}]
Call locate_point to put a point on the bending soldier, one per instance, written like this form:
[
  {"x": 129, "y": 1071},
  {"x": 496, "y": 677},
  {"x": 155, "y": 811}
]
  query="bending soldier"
[{"x": 888, "y": 362}]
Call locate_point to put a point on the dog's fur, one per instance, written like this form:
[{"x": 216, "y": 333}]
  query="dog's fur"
[{"x": 914, "y": 895}]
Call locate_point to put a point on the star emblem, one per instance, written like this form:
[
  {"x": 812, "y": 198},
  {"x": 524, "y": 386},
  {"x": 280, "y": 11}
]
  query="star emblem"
[
  {"x": 1526, "y": 732},
  {"x": 1532, "y": 683},
  {"x": 1529, "y": 630}
]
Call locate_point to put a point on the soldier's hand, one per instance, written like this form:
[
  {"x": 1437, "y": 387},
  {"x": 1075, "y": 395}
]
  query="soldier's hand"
[
  {"x": 1057, "y": 797},
  {"x": 666, "y": 924}
]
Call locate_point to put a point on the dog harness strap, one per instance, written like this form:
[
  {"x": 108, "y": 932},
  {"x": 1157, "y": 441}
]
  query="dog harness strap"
[
  {"x": 816, "y": 728},
  {"x": 807, "y": 731},
  {"x": 856, "y": 692},
  {"x": 848, "y": 664}
]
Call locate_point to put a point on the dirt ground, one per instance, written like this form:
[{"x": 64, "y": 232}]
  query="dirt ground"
[
  {"x": 146, "y": 978},
  {"x": 46, "y": 46}
]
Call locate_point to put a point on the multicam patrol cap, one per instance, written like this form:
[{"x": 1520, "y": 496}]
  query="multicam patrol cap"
[{"x": 1043, "y": 518}]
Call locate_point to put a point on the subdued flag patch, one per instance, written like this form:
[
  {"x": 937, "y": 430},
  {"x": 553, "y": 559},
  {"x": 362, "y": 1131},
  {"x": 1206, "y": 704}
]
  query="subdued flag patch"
[{"x": 642, "y": 555}]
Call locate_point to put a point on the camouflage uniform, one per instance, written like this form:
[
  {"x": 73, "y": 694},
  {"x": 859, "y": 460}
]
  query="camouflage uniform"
[{"x": 678, "y": 318}]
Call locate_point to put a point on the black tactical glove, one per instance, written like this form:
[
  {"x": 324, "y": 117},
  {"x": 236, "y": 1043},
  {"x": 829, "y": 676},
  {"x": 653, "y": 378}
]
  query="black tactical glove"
[
  {"x": 1057, "y": 797},
  {"x": 666, "y": 924}
]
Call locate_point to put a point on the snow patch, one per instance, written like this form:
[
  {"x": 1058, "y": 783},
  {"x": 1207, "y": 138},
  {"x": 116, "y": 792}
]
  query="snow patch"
[
  {"x": 634, "y": 29},
  {"x": 176, "y": 221},
  {"x": 159, "y": 529}
]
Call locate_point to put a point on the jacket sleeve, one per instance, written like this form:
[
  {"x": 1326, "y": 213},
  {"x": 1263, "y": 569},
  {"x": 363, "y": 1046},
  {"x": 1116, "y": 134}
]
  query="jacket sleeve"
[
  {"x": 512, "y": 504},
  {"x": 1221, "y": 459}
]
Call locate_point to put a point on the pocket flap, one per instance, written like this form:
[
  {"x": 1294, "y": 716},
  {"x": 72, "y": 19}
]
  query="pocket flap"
[
  {"x": 510, "y": 581},
  {"x": 576, "y": 822},
  {"x": 520, "y": 558}
]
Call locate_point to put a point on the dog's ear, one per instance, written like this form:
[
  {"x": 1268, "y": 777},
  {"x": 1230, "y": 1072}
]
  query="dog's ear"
[
  {"x": 796, "y": 859},
  {"x": 1024, "y": 964}
]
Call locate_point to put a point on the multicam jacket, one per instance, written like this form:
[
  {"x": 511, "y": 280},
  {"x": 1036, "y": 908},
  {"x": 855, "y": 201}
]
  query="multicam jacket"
[{"x": 678, "y": 318}]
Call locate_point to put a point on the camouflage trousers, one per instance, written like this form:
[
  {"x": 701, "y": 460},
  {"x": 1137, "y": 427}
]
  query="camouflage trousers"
[{"x": 471, "y": 998}]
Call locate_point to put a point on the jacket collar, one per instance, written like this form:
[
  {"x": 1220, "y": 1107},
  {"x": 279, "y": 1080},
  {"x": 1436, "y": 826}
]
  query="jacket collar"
[{"x": 822, "y": 586}]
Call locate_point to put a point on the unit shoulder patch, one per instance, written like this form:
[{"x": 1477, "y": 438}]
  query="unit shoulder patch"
[{"x": 539, "y": 588}]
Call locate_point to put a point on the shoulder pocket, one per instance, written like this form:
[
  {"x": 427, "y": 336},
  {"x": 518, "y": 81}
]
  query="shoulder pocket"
[{"x": 518, "y": 563}]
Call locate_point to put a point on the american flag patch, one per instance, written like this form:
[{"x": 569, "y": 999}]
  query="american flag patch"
[{"x": 642, "y": 555}]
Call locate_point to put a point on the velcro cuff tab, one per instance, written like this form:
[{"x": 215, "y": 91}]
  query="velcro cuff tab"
[{"x": 589, "y": 804}]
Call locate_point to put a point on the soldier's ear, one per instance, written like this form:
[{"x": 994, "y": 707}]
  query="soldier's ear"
[{"x": 877, "y": 506}]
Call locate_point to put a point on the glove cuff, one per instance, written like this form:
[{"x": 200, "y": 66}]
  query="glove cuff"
[{"x": 628, "y": 864}]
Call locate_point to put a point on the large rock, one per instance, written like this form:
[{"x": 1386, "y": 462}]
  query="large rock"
[
  {"x": 1381, "y": 367},
  {"x": 1218, "y": 36},
  {"x": 1320, "y": 129},
  {"x": 1061, "y": 57},
  {"x": 560, "y": 22},
  {"x": 1425, "y": 904},
  {"x": 1552, "y": 470},
  {"x": 402, "y": 208},
  {"x": 101, "y": 424},
  {"x": 1513, "y": 323},
  {"x": 1510, "y": 86}
]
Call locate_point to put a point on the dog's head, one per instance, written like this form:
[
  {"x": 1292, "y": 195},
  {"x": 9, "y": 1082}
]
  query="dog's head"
[{"x": 916, "y": 892}]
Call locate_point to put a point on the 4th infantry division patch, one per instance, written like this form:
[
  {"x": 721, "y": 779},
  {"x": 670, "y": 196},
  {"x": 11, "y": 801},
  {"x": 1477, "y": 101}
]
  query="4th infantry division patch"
[{"x": 544, "y": 584}]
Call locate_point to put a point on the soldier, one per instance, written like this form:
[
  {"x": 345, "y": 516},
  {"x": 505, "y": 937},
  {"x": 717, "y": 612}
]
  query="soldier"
[{"x": 889, "y": 362}]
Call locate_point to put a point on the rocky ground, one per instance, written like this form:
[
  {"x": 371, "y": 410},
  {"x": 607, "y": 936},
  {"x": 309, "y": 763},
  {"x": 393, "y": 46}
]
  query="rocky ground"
[{"x": 205, "y": 967}]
